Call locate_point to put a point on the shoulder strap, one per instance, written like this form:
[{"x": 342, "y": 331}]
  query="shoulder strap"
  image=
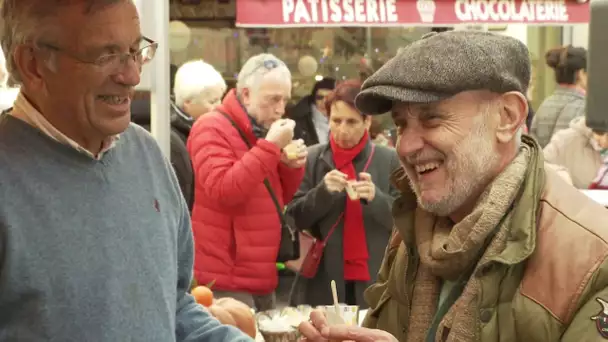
[
  {"x": 331, "y": 230},
  {"x": 239, "y": 130},
  {"x": 266, "y": 182},
  {"x": 369, "y": 159}
]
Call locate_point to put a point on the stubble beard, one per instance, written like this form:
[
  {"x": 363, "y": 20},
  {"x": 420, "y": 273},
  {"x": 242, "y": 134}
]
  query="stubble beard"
[{"x": 469, "y": 167}]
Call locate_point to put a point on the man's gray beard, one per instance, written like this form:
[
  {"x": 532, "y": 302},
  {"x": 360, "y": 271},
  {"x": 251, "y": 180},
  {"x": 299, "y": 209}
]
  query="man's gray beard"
[
  {"x": 459, "y": 193},
  {"x": 467, "y": 179}
]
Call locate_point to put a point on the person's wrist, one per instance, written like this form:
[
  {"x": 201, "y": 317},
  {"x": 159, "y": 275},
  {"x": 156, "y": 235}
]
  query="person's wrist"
[{"x": 269, "y": 146}]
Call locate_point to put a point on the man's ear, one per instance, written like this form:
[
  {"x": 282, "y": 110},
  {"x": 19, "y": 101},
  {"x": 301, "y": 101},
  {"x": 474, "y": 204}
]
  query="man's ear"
[
  {"x": 245, "y": 96},
  {"x": 513, "y": 113},
  {"x": 30, "y": 65}
]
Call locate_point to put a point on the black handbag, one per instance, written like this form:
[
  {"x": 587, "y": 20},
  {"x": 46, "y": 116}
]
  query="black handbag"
[{"x": 289, "y": 248}]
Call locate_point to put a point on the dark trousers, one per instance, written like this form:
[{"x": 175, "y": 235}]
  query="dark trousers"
[{"x": 349, "y": 293}]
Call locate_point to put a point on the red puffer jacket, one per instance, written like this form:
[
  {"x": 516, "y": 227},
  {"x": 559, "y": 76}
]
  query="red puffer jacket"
[{"x": 235, "y": 223}]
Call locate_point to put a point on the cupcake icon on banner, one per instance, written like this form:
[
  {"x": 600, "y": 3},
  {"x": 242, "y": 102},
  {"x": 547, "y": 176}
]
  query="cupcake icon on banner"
[{"x": 426, "y": 9}]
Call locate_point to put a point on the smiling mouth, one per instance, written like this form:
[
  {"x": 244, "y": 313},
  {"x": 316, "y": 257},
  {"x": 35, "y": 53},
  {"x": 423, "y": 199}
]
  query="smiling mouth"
[
  {"x": 426, "y": 168},
  {"x": 114, "y": 99}
]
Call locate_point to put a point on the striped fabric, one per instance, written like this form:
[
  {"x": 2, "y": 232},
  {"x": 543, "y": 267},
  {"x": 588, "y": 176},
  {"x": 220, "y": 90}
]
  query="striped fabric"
[{"x": 556, "y": 112}]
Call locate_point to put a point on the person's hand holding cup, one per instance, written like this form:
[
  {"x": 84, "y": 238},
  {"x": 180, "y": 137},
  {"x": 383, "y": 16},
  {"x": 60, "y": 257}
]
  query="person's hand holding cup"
[
  {"x": 294, "y": 154},
  {"x": 335, "y": 181},
  {"x": 281, "y": 132},
  {"x": 364, "y": 187},
  {"x": 318, "y": 329}
]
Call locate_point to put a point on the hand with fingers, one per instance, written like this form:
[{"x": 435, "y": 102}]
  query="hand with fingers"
[
  {"x": 335, "y": 181},
  {"x": 317, "y": 330},
  {"x": 281, "y": 132},
  {"x": 365, "y": 187},
  {"x": 294, "y": 154}
]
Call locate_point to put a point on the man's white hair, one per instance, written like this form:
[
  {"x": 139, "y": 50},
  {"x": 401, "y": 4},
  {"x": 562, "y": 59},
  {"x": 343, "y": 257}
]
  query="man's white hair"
[
  {"x": 193, "y": 79},
  {"x": 28, "y": 21},
  {"x": 256, "y": 67}
]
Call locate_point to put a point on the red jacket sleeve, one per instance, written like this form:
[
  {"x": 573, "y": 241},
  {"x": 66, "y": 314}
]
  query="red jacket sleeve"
[
  {"x": 601, "y": 181},
  {"x": 218, "y": 172},
  {"x": 290, "y": 180}
]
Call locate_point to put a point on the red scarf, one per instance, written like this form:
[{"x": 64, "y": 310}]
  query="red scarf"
[{"x": 354, "y": 241}]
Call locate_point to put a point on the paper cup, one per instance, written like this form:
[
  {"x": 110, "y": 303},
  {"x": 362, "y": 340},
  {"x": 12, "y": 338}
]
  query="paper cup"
[
  {"x": 291, "y": 151},
  {"x": 352, "y": 194},
  {"x": 289, "y": 336},
  {"x": 350, "y": 314}
]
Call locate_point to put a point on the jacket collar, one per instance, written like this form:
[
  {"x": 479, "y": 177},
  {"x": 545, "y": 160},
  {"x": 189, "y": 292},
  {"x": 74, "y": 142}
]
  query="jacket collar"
[
  {"x": 525, "y": 213},
  {"x": 570, "y": 90},
  {"x": 233, "y": 107},
  {"x": 180, "y": 119}
]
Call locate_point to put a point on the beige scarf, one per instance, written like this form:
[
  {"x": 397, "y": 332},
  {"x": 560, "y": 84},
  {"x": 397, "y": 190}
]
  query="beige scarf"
[{"x": 447, "y": 251}]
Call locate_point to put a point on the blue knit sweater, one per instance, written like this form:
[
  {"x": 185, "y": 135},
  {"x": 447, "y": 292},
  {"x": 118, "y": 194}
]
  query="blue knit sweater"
[{"x": 95, "y": 250}]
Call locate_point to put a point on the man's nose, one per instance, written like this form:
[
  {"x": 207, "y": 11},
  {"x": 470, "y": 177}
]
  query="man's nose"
[
  {"x": 409, "y": 141},
  {"x": 130, "y": 74},
  {"x": 281, "y": 107}
]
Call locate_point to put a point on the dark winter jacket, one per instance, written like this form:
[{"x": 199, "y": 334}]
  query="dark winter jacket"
[{"x": 181, "y": 124}]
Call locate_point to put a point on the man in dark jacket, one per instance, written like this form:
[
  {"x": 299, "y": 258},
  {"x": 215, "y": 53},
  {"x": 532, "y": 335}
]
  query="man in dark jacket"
[
  {"x": 309, "y": 114},
  {"x": 181, "y": 123}
]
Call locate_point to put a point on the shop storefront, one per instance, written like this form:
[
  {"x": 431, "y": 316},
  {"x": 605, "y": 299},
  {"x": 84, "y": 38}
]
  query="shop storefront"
[
  {"x": 340, "y": 52},
  {"x": 257, "y": 13},
  {"x": 352, "y": 38}
]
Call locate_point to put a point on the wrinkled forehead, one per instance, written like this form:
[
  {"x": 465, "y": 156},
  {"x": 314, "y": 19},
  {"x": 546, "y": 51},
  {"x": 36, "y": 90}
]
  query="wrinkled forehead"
[
  {"x": 114, "y": 26},
  {"x": 274, "y": 82},
  {"x": 467, "y": 102}
]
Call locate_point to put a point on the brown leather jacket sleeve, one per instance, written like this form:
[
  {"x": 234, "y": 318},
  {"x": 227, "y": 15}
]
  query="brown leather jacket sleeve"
[{"x": 592, "y": 316}]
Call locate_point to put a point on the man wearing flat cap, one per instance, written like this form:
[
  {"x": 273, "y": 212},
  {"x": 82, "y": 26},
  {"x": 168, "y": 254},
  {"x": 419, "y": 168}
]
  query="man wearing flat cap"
[{"x": 489, "y": 244}]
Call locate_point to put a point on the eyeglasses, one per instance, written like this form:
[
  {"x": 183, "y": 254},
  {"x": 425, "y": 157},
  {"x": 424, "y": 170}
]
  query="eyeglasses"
[
  {"x": 268, "y": 64},
  {"x": 114, "y": 62}
]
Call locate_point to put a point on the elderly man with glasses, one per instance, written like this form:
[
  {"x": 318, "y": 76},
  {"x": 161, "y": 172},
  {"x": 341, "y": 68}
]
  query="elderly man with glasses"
[
  {"x": 95, "y": 237},
  {"x": 244, "y": 176}
]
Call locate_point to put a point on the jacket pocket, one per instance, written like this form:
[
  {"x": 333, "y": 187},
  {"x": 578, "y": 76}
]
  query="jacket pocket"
[{"x": 373, "y": 315}]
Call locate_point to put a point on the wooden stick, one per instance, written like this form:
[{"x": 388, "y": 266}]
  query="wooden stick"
[{"x": 334, "y": 293}]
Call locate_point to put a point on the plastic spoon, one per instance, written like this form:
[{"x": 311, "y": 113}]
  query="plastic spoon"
[{"x": 335, "y": 317}]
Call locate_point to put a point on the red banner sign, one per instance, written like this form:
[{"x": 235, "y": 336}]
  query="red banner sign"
[{"x": 298, "y": 13}]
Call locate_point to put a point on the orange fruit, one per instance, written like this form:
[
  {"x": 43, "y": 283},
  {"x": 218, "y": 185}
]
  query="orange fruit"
[{"x": 203, "y": 295}]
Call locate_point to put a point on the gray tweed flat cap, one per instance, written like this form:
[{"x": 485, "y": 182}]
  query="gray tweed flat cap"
[{"x": 441, "y": 65}]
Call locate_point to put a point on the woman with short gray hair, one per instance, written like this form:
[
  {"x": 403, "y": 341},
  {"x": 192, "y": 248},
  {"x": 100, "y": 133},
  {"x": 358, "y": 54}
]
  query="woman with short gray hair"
[{"x": 198, "y": 88}]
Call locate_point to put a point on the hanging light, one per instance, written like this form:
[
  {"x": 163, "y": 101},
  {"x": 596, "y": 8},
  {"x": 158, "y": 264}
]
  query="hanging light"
[{"x": 179, "y": 35}]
